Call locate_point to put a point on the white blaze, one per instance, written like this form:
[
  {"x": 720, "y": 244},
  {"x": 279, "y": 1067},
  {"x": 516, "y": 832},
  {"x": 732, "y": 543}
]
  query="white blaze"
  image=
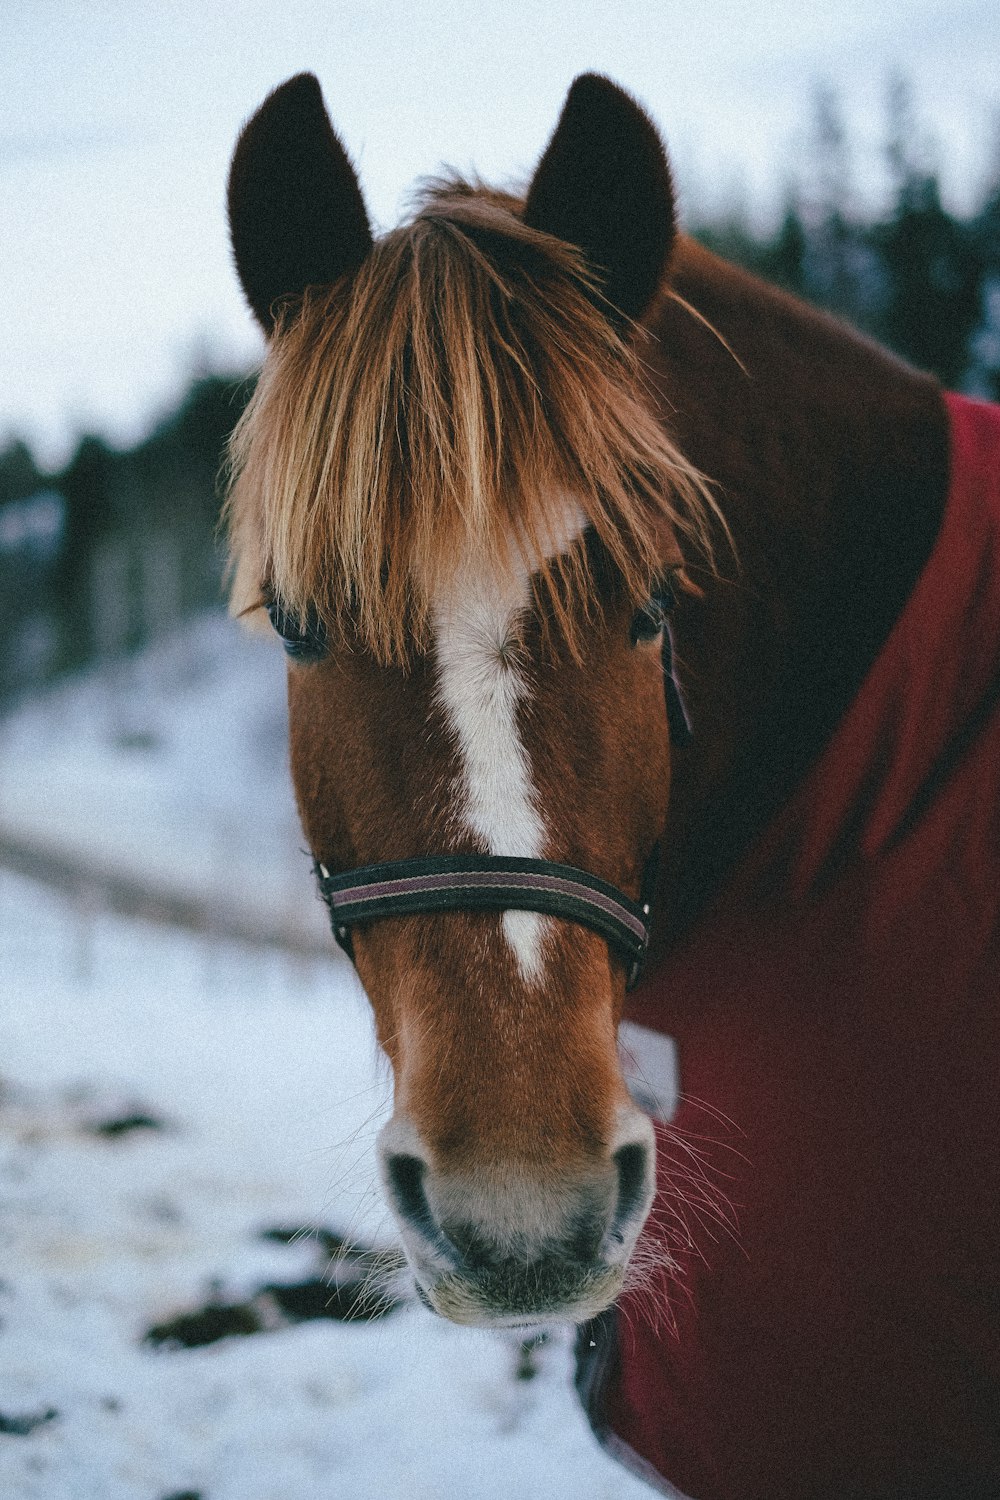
[{"x": 481, "y": 687}]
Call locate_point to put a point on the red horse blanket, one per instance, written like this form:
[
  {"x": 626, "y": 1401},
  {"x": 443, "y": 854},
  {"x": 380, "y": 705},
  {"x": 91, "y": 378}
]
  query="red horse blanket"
[{"x": 837, "y": 1018}]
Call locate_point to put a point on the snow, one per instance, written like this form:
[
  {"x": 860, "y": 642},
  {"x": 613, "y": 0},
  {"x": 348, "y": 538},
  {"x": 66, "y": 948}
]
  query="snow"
[
  {"x": 261, "y": 1067},
  {"x": 171, "y": 769}
]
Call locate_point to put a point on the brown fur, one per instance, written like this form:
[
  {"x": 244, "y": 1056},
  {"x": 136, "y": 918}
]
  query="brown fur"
[
  {"x": 493, "y": 1069},
  {"x": 831, "y": 461},
  {"x": 444, "y": 398}
]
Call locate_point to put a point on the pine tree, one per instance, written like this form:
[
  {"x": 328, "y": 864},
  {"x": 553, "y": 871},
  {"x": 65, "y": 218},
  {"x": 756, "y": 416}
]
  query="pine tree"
[{"x": 931, "y": 261}]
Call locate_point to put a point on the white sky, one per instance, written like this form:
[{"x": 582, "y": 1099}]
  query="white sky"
[{"x": 117, "y": 118}]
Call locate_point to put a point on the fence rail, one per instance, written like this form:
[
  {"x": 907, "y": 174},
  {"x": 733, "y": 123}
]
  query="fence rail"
[{"x": 90, "y": 887}]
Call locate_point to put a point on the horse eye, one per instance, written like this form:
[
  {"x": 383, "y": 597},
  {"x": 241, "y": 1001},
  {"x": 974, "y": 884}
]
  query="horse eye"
[
  {"x": 304, "y": 640},
  {"x": 647, "y": 623},
  {"x": 650, "y": 618}
]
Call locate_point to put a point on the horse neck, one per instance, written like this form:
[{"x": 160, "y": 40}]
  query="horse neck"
[{"x": 831, "y": 462}]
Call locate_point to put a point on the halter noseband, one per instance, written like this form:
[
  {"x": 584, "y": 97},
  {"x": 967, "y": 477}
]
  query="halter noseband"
[{"x": 490, "y": 882}]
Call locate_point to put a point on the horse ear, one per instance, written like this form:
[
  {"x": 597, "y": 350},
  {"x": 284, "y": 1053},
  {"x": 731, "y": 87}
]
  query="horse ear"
[
  {"x": 604, "y": 184},
  {"x": 296, "y": 214}
]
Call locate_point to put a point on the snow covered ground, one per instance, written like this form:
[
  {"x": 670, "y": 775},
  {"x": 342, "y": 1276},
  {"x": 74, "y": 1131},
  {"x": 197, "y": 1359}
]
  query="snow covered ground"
[
  {"x": 166, "y": 1100},
  {"x": 170, "y": 768}
]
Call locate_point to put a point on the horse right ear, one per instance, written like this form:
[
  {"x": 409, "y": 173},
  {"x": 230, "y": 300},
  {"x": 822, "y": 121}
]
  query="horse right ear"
[
  {"x": 604, "y": 184},
  {"x": 296, "y": 214}
]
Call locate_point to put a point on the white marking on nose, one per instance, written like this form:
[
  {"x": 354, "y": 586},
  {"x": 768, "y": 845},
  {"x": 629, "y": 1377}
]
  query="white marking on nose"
[{"x": 481, "y": 686}]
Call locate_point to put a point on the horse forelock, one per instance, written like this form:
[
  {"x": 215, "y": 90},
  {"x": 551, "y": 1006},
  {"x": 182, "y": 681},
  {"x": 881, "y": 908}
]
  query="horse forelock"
[{"x": 440, "y": 410}]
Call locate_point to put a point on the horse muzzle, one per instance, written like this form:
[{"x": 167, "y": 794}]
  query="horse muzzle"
[{"x": 502, "y": 1245}]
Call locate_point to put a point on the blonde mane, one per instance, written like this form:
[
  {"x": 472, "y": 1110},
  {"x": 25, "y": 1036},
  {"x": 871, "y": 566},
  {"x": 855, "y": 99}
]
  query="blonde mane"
[{"x": 438, "y": 410}]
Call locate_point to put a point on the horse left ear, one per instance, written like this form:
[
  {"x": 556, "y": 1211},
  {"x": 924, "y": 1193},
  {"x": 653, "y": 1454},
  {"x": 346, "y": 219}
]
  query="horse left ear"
[
  {"x": 604, "y": 184},
  {"x": 296, "y": 214}
]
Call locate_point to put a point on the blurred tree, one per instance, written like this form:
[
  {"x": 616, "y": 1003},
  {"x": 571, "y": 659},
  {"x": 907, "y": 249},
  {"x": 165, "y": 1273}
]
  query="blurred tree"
[
  {"x": 30, "y": 520},
  {"x": 932, "y": 262},
  {"x": 986, "y": 236},
  {"x": 784, "y": 261},
  {"x": 86, "y": 485},
  {"x": 174, "y": 477},
  {"x": 780, "y": 259},
  {"x": 137, "y": 547},
  {"x": 917, "y": 278},
  {"x": 19, "y": 476},
  {"x": 192, "y": 439},
  {"x": 830, "y": 241}
]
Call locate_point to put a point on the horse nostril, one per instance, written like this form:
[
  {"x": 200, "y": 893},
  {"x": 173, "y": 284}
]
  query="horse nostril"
[
  {"x": 405, "y": 1177},
  {"x": 632, "y": 1163}
]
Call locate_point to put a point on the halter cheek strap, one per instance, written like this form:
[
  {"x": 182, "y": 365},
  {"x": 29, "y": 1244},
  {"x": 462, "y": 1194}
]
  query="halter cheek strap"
[
  {"x": 490, "y": 883},
  {"x": 678, "y": 718}
]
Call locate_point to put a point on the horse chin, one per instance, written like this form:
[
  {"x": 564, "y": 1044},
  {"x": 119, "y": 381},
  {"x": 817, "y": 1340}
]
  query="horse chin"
[{"x": 522, "y": 1296}]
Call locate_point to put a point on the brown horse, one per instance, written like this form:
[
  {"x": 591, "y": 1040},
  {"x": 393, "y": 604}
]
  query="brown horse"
[{"x": 469, "y": 488}]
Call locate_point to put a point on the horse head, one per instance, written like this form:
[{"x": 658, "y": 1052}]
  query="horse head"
[{"x": 455, "y": 496}]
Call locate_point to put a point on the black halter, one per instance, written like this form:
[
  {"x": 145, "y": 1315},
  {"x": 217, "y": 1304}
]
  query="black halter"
[{"x": 489, "y": 882}]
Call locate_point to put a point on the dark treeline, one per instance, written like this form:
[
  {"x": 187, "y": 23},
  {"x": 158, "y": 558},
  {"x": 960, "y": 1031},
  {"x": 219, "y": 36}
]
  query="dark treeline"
[
  {"x": 915, "y": 276},
  {"x": 110, "y": 552},
  {"x": 102, "y": 557}
]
